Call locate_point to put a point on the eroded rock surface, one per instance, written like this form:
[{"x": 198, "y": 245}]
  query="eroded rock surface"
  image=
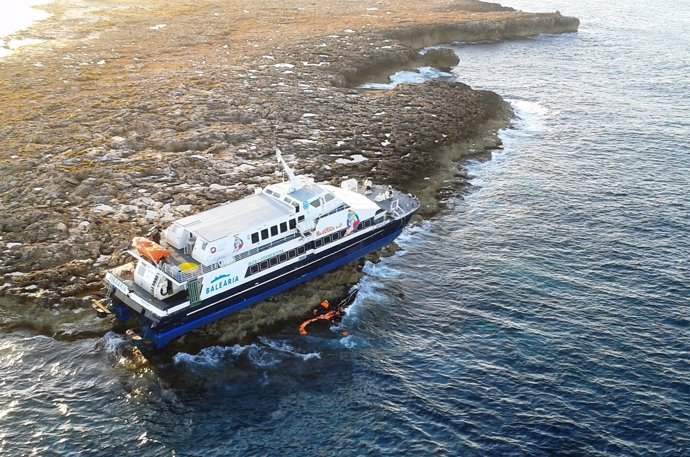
[{"x": 131, "y": 115}]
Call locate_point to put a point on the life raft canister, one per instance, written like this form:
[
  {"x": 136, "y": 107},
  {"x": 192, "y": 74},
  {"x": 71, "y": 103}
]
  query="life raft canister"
[{"x": 150, "y": 249}]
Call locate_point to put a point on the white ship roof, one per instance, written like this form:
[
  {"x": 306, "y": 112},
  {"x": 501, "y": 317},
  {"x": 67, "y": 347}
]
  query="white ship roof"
[
  {"x": 353, "y": 199},
  {"x": 239, "y": 216},
  {"x": 304, "y": 193}
]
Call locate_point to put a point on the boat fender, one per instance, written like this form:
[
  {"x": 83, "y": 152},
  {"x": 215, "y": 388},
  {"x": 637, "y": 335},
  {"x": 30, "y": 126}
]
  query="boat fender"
[{"x": 213, "y": 250}]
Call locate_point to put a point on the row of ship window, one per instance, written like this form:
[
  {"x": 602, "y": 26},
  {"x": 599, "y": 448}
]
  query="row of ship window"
[
  {"x": 300, "y": 250},
  {"x": 274, "y": 230},
  {"x": 285, "y": 226}
]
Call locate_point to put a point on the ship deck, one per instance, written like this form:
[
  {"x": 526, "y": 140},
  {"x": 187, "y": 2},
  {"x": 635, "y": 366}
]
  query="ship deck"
[
  {"x": 398, "y": 204},
  {"x": 125, "y": 274}
]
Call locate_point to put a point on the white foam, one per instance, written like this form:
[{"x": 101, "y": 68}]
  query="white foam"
[
  {"x": 411, "y": 233},
  {"x": 351, "y": 342},
  {"x": 212, "y": 356},
  {"x": 265, "y": 354},
  {"x": 419, "y": 76},
  {"x": 286, "y": 348},
  {"x": 112, "y": 343},
  {"x": 531, "y": 119},
  {"x": 381, "y": 270},
  {"x": 261, "y": 358}
]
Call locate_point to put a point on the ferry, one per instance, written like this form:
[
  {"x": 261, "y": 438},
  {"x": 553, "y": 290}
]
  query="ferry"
[{"x": 212, "y": 264}]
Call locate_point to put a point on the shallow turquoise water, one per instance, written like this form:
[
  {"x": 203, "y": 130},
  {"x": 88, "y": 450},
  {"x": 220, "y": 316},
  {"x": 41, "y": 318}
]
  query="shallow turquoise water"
[{"x": 544, "y": 312}]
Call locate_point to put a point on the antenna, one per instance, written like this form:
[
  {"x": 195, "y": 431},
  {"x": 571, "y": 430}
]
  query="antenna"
[{"x": 294, "y": 182}]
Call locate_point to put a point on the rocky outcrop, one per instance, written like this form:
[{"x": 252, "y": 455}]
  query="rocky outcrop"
[
  {"x": 145, "y": 125},
  {"x": 381, "y": 66},
  {"x": 478, "y": 30}
]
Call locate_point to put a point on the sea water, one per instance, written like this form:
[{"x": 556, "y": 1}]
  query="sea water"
[
  {"x": 18, "y": 15},
  {"x": 543, "y": 312}
]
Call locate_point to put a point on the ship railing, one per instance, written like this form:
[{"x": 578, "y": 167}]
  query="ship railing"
[
  {"x": 396, "y": 209},
  {"x": 184, "y": 276}
]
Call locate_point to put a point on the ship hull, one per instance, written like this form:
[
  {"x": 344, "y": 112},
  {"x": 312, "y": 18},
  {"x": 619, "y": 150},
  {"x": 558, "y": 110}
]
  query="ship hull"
[{"x": 222, "y": 305}]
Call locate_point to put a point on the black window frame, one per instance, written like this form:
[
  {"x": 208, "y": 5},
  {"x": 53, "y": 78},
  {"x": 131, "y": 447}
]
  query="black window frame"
[
  {"x": 255, "y": 237},
  {"x": 283, "y": 227},
  {"x": 274, "y": 230},
  {"x": 264, "y": 234}
]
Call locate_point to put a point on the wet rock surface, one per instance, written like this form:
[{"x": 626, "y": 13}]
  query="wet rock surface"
[{"x": 131, "y": 116}]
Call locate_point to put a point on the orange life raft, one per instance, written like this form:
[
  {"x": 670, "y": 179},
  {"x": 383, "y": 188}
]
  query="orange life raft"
[{"x": 150, "y": 249}]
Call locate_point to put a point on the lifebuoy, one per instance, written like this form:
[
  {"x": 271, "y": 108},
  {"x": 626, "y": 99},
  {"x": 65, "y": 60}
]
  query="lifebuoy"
[{"x": 213, "y": 250}]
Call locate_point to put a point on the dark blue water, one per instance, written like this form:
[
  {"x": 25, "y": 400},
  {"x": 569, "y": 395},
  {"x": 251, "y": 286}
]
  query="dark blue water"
[{"x": 547, "y": 312}]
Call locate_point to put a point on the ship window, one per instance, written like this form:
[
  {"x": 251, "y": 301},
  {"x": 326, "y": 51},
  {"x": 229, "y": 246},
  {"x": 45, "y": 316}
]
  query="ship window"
[
  {"x": 329, "y": 197},
  {"x": 254, "y": 268},
  {"x": 278, "y": 195},
  {"x": 274, "y": 230},
  {"x": 264, "y": 265},
  {"x": 269, "y": 191},
  {"x": 300, "y": 219},
  {"x": 297, "y": 208},
  {"x": 293, "y": 224},
  {"x": 274, "y": 261},
  {"x": 203, "y": 245},
  {"x": 315, "y": 203},
  {"x": 283, "y": 257},
  {"x": 264, "y": 234},
  {"x": 291, "y": 254},
  {"x": 318, "y": 243},
  {"x": 300, "y": 250},
  {"x": 255, "y": 237},
  {"x": 336, "y": 235},
  {"x": 283, "y": 227}
]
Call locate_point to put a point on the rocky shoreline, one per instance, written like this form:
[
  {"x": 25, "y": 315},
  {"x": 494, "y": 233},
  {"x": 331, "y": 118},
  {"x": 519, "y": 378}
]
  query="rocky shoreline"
[{"x": 128, "y": 117}]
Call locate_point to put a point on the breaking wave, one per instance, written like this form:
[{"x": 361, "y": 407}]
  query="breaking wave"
[
  {"x": 419, "y": 76},
  {"x": 265, "y": 353}
]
